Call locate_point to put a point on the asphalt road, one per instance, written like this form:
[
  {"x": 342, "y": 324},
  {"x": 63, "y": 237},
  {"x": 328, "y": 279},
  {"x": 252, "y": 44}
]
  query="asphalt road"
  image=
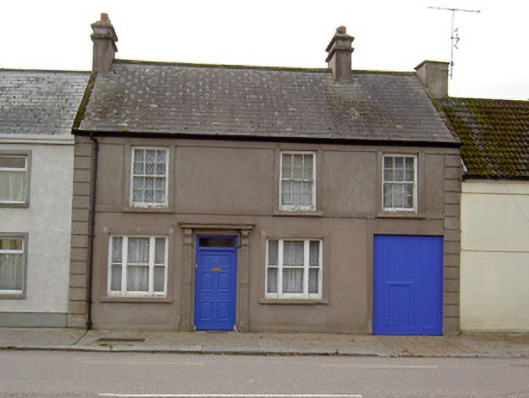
[{"x": 121, "y": 375}]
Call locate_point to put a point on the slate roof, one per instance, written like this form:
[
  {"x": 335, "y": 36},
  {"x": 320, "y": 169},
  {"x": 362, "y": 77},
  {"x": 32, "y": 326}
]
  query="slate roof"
[
  {"x": 215, "y": 100},
  {"x": 40, "y": 102},
  {"x": 494, "y": 135}
]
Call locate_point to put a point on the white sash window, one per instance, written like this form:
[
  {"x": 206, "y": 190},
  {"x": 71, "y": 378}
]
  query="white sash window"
[
  {"x": 137, "y": 266},
  {"x": 399, "y": 183},
  {"x": 149, "y": 177},
  {"x": 12, "y": 264},
  {"x": 294, "y": 269},
  {"x": 13, "y": 176}
]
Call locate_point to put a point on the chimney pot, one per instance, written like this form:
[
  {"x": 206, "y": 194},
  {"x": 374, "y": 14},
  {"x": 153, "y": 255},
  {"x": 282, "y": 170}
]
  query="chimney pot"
[
  {"x": 104, "y": 16},
  {"x": 342, "y": 30}
]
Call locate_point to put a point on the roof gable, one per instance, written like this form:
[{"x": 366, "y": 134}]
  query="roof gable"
[
  {"x": 494, "y": 135},
  {"x": 157, "y": 98}
]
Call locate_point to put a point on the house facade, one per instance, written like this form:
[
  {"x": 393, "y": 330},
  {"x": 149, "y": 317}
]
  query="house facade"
[
  {"x": 494, "y": 212},
  {"x": 212, "y": 197},
  {"x": 37, "y": 109}
]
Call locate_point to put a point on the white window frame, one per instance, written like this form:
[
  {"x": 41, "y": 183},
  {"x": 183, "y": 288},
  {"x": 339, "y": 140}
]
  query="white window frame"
[
  {"x": 288, "y": 207},
  {"x": 16, "y": 293},
  {"x": 125, "y": 264},
  {"x": 393, "y": 182},
  {"x": 133, "y": 175},
  {"x": 306, "y": 267},
  {"x": 24, "y": 170}
]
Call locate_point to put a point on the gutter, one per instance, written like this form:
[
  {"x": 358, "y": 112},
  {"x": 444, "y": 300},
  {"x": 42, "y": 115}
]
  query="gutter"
[{"x": 91, "y": 230}]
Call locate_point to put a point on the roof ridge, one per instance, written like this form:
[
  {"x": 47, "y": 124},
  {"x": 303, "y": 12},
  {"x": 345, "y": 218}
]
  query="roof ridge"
[
  {"x": 255, "y": 67},
  {"x": 221, "y": 66}
]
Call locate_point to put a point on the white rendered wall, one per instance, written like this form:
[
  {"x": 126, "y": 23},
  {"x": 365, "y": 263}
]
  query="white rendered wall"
[
  {"x": 495, "y": 256},
  {"x": 47, "y": 221}
]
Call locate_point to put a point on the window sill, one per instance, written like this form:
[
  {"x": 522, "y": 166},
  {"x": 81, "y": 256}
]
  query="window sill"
[
  {"x": 298, "y": 213},
  {"x": 411, "y": 215},
  {"x": 284, "y": 301},
  {"x": 15, "y": 205},
  {"x": 128, "y": 209},
  {"x": 128, "y": 299},
  {"x": 12, "y": 296}
]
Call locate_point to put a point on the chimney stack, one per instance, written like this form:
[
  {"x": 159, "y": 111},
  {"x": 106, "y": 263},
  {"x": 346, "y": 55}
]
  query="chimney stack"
[
  {"x": 434, "y": 76},
  {"x": 339, "y": 58},
  {"x": 104, "y": 38}
]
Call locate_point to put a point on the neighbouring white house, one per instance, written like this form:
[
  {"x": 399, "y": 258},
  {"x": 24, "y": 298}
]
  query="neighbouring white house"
[
  {"x": 494, "y": 212},
  {"x": 37, "y": 110}
]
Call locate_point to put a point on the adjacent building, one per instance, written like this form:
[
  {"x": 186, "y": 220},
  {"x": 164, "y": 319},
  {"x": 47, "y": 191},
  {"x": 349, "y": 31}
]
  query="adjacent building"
[
  {"x": 37, "y": 110},
  {"x": 214, "y": 197},
  {"x": 494, "y": 211}
]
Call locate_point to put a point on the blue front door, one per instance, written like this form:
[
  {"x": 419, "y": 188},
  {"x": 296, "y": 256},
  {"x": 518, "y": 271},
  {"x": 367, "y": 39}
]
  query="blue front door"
[
  {"x": 215, "y": 282},
  {"x": 407, "y": 285}
]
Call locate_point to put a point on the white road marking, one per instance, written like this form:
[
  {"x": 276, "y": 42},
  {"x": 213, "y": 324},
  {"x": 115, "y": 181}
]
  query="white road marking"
[
  {"x": 112, "y": 395},
  {"x": 361, "y": 366}
]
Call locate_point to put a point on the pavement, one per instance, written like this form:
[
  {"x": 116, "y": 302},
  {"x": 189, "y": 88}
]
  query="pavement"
[{"x": 476, "y": 345}]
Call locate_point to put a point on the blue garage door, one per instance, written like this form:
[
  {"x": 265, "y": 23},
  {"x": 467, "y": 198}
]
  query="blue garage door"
[
  {"x": 215, "y": 282},
  {"x": 407, "y": 285}
]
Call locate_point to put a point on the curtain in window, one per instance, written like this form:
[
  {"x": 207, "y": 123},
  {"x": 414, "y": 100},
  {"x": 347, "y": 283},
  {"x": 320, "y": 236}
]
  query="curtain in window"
[
  {"x": 293, "y": 262},
  {"x": 149, "y": 176},
  {"x": 12, "y": 186},
  {"x": 297, "y": 172},
  {"x": 11, "y": 271},
  {"x": 399, "y": 182},
  {"x": 138, "y": 265}
]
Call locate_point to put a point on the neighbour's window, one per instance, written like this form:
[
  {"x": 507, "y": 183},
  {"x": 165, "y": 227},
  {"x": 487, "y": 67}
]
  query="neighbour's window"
[
  {"x": 399, "y": 183},
  {"x": 12, "y": 264},
  {"x": 137, "y": 266},
  {"x": 13, "y": 179},
  {"x": 149, "y": 177},
  {"x": 297, "y": 189},
  {"x": 294, "y": 269}
]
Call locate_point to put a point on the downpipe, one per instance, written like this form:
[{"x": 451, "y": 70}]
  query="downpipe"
[{"x": 91, "y": 231}]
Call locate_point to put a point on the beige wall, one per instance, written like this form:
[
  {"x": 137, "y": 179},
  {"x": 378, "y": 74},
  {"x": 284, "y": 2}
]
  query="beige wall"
[
  {"x": 495, "y": 256},
  {"x": 232, "y": 188}
]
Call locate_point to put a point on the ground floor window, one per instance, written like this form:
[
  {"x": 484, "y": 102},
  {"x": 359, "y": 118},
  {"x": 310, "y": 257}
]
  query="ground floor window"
[
  {"x": 294, "y": 268},
  {"x": 137, "y": 266},
  {"x": 12, "y": 264}
]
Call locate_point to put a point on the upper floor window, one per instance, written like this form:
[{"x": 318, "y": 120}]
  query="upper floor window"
[
  {"x": 12, "y": 264},
  {"x": 13, "y": 179},
  {"x": 137, "y": 266},
  {"x": 399, "y": 182},
  {"x": 149, "y": 177},
  {"x": 294, "y": 269},
  {"x": 298, "y": 181}
]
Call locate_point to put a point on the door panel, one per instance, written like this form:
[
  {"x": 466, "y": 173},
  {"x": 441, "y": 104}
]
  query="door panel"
[
  {"x": 407, "y": 285},
  {"x": 215, "y": 285}
]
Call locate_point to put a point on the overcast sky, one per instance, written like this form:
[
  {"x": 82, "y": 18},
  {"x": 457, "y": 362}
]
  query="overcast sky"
[{"x": 492, "y": 60}]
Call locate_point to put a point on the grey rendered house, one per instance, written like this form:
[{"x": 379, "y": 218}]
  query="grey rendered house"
[
  {"x": 214, "y": 197},
  {"x": 37, "y": 110}
]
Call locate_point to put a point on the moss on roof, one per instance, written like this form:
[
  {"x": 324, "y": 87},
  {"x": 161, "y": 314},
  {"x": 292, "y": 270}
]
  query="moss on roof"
[{"x": 494, "y": 135}]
